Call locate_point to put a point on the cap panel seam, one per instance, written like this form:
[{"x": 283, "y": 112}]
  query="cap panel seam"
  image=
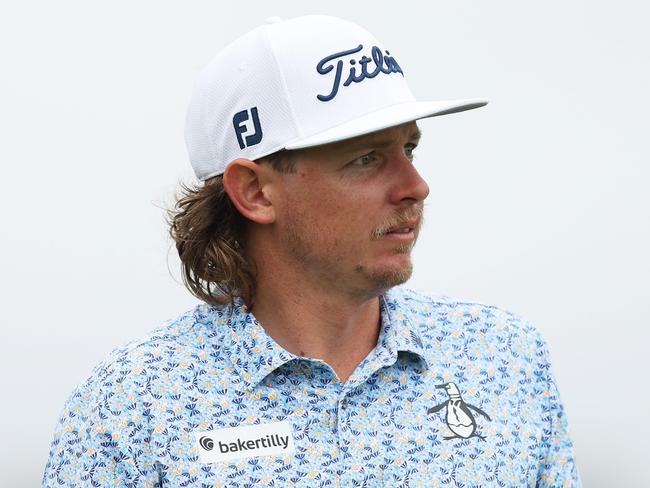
[{"x": 283, "y": 81}]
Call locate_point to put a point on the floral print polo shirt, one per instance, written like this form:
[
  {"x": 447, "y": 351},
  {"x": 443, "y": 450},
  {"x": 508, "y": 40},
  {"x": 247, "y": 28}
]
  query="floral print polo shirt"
[{"x": 455, "y": 394}]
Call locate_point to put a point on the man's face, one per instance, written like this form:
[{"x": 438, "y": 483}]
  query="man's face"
[{"x": 351, "y": 212}]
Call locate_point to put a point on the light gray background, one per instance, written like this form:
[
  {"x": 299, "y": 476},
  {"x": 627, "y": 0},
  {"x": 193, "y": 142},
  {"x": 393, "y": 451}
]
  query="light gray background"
[{"x": 539, "y": 202}]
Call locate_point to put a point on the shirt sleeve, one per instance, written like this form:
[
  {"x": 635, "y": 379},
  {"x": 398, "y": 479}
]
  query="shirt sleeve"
[
  {"x": 557, "y": 468},
  {"x": 88, "y": 449}
]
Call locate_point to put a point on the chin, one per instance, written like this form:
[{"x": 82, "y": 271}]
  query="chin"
[
  {"x": 388, "y": 277},
  {"x": 383, "y": 273}
]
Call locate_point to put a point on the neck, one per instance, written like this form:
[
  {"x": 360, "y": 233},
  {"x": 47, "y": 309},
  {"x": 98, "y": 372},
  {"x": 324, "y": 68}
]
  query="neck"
[{"x": 315, "y": 321}]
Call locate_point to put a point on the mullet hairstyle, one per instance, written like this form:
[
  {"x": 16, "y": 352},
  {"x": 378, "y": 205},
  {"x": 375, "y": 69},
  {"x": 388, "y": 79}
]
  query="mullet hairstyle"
[{"x": 210, "y": 237}]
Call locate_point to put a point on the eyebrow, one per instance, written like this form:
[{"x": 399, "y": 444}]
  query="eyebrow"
[{"x": 381, "y": 141}]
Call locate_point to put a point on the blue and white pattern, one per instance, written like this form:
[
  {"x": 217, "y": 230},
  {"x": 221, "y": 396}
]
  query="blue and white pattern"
[{"x": 134, "y": 421}]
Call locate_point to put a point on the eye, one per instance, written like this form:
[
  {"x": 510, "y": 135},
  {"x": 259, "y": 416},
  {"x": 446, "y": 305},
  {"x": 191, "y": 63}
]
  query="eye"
[
  {"x": 408, "y": 150},
  {"x": 365, "y": 160}
]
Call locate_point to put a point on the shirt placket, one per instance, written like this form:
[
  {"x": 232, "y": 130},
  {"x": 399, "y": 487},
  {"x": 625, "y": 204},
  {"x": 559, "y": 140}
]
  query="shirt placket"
[
  {"x": 341, "y": 432},
  {"x": 351, "y": 465},
  {"x": 334, "y": 424}
]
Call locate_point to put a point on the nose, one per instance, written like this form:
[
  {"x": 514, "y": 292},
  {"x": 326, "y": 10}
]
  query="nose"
[{"x": 408, "y": 184}]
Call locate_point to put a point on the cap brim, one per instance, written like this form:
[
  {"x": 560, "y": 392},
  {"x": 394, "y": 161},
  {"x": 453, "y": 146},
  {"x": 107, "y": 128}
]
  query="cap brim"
[{"x": 384, "y": 118}]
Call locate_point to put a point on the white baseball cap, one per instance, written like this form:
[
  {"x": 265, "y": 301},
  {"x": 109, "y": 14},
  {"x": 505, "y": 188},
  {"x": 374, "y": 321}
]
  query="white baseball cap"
[{"x": 297, "y": 83}]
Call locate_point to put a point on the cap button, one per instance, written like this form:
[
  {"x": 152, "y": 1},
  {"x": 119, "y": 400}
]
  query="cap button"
[{"x": 273, "y": 20}]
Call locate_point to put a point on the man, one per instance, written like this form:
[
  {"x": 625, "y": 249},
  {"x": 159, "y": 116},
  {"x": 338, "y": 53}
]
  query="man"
[{"x": 307, "y": 364}]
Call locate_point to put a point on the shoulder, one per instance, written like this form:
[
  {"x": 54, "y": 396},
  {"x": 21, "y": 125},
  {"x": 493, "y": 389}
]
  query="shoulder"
[
  {"x": 183, "y": 336},
  {"x": 148, "y": 366},
  {"x": 105, "y": 418},
  {"x": 442, "y": 319}
]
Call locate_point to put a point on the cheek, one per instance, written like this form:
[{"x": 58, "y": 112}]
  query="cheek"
[
  {"x": 344, "y": 219},
  {"x": 331, "y": 228},
  {"x": 331, "y": 214}
]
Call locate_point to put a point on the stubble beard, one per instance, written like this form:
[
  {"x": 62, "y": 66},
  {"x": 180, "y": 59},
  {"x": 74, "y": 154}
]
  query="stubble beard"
[
  {"x": 380, "y": 280},
  {"x": 323, "y": 265},
  {"x": 384, "y": 279}
]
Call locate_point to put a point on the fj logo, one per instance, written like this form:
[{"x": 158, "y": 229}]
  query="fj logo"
[{"x": 238, "y": 121}]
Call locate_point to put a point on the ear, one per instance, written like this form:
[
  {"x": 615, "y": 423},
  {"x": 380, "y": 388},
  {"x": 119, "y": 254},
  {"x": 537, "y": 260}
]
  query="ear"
[{"x": 245, "y": 182}]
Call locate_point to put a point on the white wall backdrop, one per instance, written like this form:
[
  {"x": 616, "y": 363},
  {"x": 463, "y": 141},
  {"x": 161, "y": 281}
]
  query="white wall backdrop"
[{"x": 539, "y": 202}]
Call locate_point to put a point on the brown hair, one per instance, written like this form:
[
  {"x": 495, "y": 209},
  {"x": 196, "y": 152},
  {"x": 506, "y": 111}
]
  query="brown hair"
[{"x": 210, "y": 237}]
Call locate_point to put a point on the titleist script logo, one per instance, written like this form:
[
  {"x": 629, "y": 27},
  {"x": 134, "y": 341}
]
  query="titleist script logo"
[
  {"x": 369, "y": 67},
  {"x": 245, "y": 441}
]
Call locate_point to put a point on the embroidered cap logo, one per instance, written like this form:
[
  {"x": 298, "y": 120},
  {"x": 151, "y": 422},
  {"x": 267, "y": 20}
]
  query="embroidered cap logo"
[
  {"x": 384, "y": 63},
  {"x": 240, "y": 128}
]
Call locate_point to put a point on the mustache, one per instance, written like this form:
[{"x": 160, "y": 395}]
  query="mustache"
[{"x": 412, "y": 213}]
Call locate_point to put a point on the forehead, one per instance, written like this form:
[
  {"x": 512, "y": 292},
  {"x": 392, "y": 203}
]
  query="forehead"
[
  {"x": 400, "y": 134},
  {"x": 408, "y": 131}
]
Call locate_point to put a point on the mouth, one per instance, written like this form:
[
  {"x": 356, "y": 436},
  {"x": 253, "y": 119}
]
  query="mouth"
[{"x": 402, "y": 231}]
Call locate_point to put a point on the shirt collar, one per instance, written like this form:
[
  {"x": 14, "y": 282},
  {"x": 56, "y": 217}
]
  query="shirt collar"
[
  {"x": 255, "y": 355},
  {"x": 399, "y": 330}
]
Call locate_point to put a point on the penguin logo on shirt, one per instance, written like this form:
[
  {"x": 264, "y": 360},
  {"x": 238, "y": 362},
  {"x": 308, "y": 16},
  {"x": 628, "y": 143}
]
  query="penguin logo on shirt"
[{"x": 458, "y": 416}]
